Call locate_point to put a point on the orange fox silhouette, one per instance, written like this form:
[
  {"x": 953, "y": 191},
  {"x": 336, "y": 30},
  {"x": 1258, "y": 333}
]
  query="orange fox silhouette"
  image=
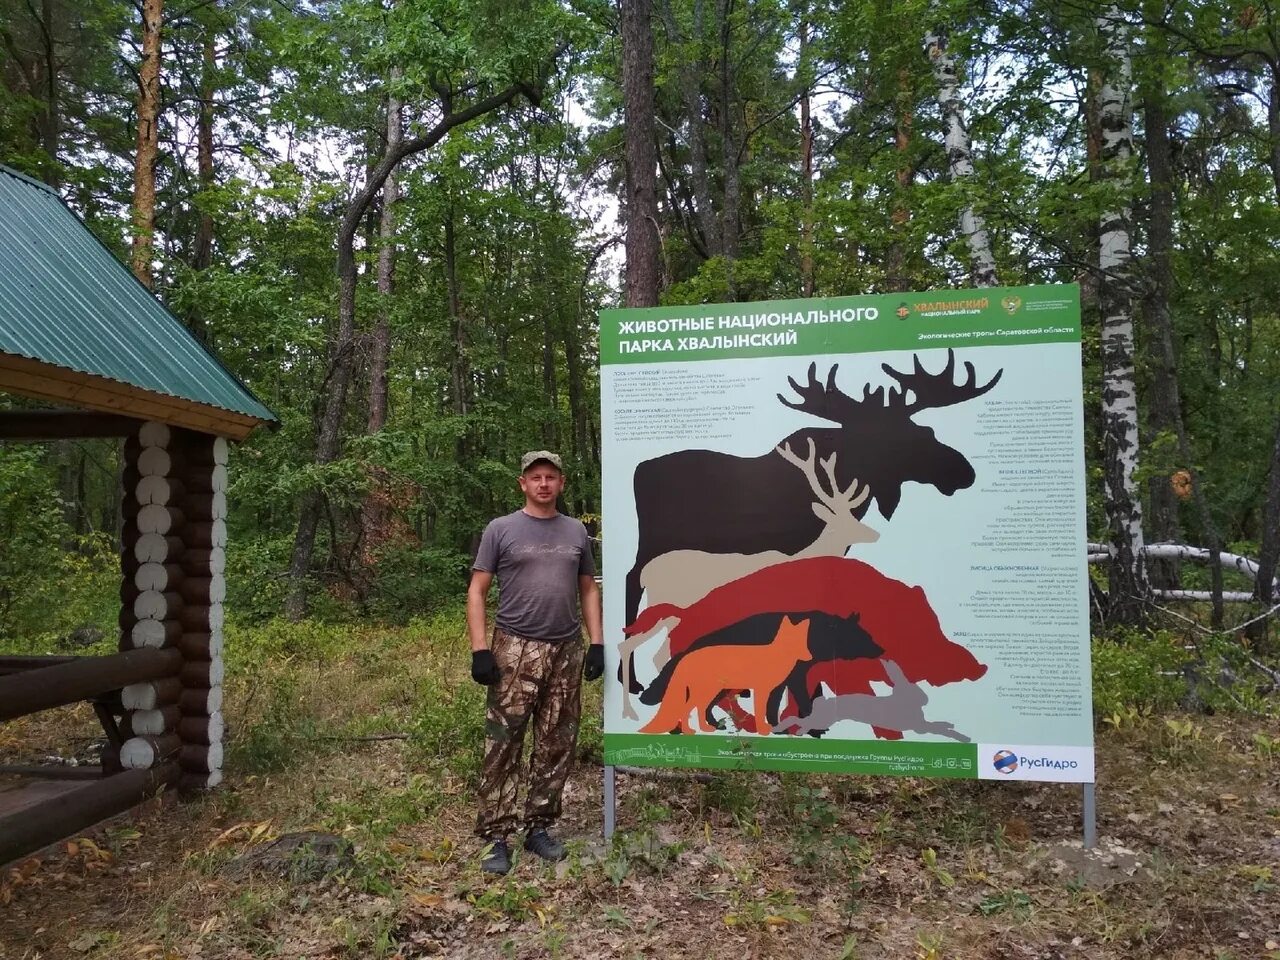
[{"x": 702, "y": 675}]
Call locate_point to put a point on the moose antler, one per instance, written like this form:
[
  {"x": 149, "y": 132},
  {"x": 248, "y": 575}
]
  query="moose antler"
[
  {"x": 826, "y": 401},
  {"x": 838, "y": 501},
  {"x": 934, "y": 390}
]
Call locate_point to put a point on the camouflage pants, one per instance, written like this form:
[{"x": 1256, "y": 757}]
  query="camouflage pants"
[{"x": 541, "y": 681}]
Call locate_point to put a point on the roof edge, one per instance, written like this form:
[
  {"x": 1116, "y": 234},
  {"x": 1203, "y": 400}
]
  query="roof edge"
[
  {"x": 272, "y": 419},
  {"x": 30, "y": 181}
]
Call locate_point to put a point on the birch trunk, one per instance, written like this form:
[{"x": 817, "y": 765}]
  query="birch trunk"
[
  {"x": 960, "y": 155},
  {"x": 1269, "y": 553},
  {"x": 1128, "y": 582},
  {"x": 144, "y": 165}
]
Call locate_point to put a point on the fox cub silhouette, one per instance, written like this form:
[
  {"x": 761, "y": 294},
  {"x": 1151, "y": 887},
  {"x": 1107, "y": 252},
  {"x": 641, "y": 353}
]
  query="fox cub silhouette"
[{"x": 704, "y": 674}]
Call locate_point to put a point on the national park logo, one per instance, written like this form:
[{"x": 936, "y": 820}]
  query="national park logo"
[
  {"x": 1006, "y": 761},
  {"x": 903, "y": 311},
  {"x": 1011, "y": 304}
]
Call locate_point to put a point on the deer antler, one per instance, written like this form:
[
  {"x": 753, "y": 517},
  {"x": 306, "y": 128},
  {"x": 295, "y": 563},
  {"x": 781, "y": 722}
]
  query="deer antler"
[
  {"x": 837, "y": 501},
  {"x": 844, "y": 499},
  {"x": 934, "y": 390},
  {"x": 826, "y": 401}
]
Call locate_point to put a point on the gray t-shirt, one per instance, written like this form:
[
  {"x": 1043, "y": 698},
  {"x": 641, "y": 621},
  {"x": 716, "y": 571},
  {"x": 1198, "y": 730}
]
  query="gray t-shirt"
[{"x": 537, "y": 562}]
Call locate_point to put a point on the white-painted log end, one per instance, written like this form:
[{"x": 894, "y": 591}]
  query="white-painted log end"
[
  {"x": 138, "y": 696},
  {"x": 155, "y": 462},
  {"x": 137, "y": 754}
]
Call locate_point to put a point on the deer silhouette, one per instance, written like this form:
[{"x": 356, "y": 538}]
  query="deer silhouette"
[
  {"x": 721, "y": 503},
  {"x": 683, "y": 576}
]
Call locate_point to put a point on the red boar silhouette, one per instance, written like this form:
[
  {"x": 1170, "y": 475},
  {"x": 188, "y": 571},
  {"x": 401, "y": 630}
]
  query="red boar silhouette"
[{"x": 897, "y": 617}]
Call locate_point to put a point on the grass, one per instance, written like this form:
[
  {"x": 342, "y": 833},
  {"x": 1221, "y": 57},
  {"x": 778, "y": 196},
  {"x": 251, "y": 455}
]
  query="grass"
[{"x": 744, "y": 865}]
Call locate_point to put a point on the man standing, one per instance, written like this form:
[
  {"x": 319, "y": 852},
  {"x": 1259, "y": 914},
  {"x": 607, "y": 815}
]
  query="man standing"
[{"x": 543, "y": 563}]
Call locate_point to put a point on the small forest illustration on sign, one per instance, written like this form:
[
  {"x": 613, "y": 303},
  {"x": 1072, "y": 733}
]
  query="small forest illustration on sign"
[{"x": 742, "y": 567}]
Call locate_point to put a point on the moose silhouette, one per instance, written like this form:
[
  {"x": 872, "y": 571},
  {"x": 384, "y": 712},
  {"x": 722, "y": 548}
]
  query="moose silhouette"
[{"x": 722, "y": 503}]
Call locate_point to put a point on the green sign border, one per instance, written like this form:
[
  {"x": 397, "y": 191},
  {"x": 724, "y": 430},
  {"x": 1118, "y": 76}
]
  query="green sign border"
[
  {"x": 870, "y": 757},
  {"x": 1002, "y": 316}
]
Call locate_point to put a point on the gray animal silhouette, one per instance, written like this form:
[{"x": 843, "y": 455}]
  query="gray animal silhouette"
[{"x": 902, "y": 710}]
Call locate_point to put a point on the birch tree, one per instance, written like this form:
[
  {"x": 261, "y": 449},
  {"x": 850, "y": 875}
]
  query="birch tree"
[
  {"x": 1128, "y": 583},
  {"x": 959, "y": 153}
]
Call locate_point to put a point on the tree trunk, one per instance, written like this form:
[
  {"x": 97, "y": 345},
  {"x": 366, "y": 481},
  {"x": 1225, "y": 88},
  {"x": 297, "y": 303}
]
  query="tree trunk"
[
  {"x": 643, "y": 250},
  {"x": 689, "y": 74},
  {"x": 550, "y": 391},
  {"x": 1269, "y": 553},
  {"x": 203, "y": 258},
  {"x": 1165, "y": 406},
  {"x": 144, "y": 167},
  {"x": 342, "y": 346},
  {"x": 901, "y": 215},
  {"x": 457, "y": 332},
  {"x": 579, "y": 416},
  {"x": 1273, "y": 129},
  {"x": 1128, "y": 582},
  {"x": 960, "y": 155},
  {"x": 373, "y": 509},
  {"x": 50, "y": 118},
  {"x": 806, "y": 157},
  {"x": 731, "y": 206},
  {"x": 1167, "y": 390},
  {"x": 380, "y": 348}
]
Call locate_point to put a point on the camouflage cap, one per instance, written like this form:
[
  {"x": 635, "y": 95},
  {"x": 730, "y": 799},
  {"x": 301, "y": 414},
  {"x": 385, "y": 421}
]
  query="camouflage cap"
[{"x": 533, "y": 456}]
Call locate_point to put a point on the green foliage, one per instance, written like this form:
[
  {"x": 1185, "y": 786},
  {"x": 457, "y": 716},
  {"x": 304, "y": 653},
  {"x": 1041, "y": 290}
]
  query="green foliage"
[
  {"x": 1137, "y": 669},
  {"x": 448, "y": 727},
  {"x": 1137, "y": 673},
  {"x": 52, "y": 580}
]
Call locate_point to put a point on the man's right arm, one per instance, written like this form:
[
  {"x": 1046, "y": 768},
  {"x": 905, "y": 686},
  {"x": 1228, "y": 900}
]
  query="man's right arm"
[{"x": 477, "y": 597}]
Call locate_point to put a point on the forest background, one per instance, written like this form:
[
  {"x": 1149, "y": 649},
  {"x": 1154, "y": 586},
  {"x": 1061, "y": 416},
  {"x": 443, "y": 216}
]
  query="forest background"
[{"x": 396, "y": 220}]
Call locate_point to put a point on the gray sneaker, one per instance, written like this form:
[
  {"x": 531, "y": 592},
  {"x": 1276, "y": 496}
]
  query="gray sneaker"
[
  {"x": 498, "y": 859},
  {"x": 542, "y": 844}
]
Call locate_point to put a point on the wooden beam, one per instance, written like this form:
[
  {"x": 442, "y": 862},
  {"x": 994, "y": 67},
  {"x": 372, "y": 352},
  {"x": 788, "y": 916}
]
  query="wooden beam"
[
  {"x": 82, "y": 678},
  {"x": 17, "y": 664},
  {"x": 64, "y": 424},
  {"x": 45, "y": 381},
  {"x": 25, "y": 831},
  {"x": 51, "y": 771}
]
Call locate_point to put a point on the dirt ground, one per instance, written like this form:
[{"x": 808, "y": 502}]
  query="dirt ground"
[
  {"x": 727, "y": 866},
  {"x": 756, "y": 865}
]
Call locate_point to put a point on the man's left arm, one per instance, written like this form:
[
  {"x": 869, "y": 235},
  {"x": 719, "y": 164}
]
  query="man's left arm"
[{"x": 589, "y": 593}]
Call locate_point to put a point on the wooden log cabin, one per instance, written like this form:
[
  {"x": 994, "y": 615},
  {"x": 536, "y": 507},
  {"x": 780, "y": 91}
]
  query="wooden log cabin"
[{"x": 83, "y": 338}]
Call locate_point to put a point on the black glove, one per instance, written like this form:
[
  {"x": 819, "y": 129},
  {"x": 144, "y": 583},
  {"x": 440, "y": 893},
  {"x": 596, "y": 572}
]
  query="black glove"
[
  {"x": 484, "y": 669},
  {"x": 593, "y": 666}
]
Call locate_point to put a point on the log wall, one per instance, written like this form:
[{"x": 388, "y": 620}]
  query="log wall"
[{"x": 173, "y": 561}]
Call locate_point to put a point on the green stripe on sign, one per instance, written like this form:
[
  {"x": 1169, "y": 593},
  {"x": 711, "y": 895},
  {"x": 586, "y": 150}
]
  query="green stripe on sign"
[
  {"x": 878, "y": 757},
  {"x": 1000, "y": 316}
]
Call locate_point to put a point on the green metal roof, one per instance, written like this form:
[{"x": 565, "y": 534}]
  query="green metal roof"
[{"x": 66, "y": 301}]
